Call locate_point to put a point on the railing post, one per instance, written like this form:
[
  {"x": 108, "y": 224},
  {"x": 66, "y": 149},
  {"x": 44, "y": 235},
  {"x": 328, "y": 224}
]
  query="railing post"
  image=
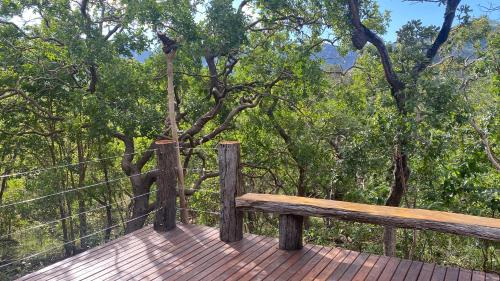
[
  {"x": 231, "y": 186},
  {"x": 290, "y": 237},
  {"x": 166, "y": 182}
]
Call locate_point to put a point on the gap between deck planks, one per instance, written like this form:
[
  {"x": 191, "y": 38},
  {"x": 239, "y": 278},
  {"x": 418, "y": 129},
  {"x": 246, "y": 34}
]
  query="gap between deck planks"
[{"x": 193, "y": 252}]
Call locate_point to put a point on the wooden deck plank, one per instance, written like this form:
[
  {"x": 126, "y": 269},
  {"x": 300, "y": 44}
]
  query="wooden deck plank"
[
  {"x": 196, "y": 253},
  {"x": 167, "y": 258},
  {"x": 366, "y": 267},
  {"x": 110, "y": 264},
  {"x": 389, "y": 269},
  {"x": 199, "y": 270},
  {"x": 142, "y": 245},
  {"x": 141, "y": 262},
  {"x": 451, "y": 274},
  {"x": 401, "y": 270},
  {"x": 237, "y": 262},
  {"x": 465, "y": 275},
  {"x": 414, "y": 271},
  {"x": 333, "y": 264},
  {"x": 290, "y": 263},
  {"x": 299, "y": 275},
  {"x": 76, "y": 270},
  {"x": 322, "y": 264},
  {"x": 346, "y": 263},
  {"x": 426, "y": 272},
  {"x": 246, "y": 262},
  {"x": 87, "y": 255},
  {"x": 253, "y": 264},
  {"x": 107, "y": 263},
  {"x": 190, "y": 254},
  {"x": 303, "y": 264},
  {"x": 354, "y": 267},
  {"x": 492, "y": 277},
  {"x": 478, "y": 276},
  {"x": 80, "y": 265},
  {"x": 378, "y": 268},
  {"x": 275, "y": 259},
  {"x": 183, "y": 267},
  {"x": 439, "y": 273}
]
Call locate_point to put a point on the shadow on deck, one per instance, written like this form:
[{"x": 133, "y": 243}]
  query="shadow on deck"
[{"x": 193, "y": 252}]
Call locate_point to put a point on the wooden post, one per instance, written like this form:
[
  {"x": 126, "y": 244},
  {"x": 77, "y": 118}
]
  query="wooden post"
[
  {"x": 290, "y": 232},
  {"x": 231, "y": 186},
  {"x": 166, "y": 185}
]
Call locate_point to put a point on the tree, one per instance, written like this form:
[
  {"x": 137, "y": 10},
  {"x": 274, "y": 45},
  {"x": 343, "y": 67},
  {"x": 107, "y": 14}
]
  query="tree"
[{"x": 400, "y": 91}]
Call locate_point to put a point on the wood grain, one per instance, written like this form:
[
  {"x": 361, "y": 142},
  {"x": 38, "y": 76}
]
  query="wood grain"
[
  {"x": 166, "y": 194},
  {"x": 304, "y": 264},
  {"x": 485, "y": 228},
  {"x": 193, "y": 252},
  {"x": 231, "y": 186},
  {"x": 290, "y": 232}
]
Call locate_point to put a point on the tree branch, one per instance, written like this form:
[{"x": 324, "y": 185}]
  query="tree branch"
[
  {"x": 487, "y": 148},
  {"x": 449, "y": 15},
  {"x": 128, "y": 156},
  {"x": 362, "y": 34},
  {"x": 224, "y": 126}
]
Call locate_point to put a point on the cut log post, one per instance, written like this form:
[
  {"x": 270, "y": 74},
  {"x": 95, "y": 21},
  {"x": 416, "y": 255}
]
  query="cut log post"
[
  {"x": 291, "y": 232},
  {"x": 231, "y": 186},
  {"x": 166, "y": 182}
]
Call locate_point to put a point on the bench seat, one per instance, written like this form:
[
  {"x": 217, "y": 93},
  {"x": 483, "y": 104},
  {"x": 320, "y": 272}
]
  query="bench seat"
[{"x": 480, "y": 227}]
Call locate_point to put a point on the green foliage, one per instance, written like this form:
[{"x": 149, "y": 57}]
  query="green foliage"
[{"x": 314, "y": 130}]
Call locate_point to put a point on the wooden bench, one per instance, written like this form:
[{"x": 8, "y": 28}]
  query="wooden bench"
[{"x": 293, "y": 208}]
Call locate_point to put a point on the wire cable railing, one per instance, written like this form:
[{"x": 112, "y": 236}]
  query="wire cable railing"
[
  {"x": 74, "y": 240},
  {"x": 73, "y": 189},
  {"x": 71, "y": 164},
  {"x": 74, "y": 216}
]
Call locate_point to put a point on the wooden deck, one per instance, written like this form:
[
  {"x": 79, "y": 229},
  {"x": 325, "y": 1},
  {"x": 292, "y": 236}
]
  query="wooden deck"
[{"x": 193, "y": 252}]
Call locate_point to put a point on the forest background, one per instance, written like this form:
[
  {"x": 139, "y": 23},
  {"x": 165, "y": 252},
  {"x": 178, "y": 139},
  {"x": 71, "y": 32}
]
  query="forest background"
[{"x": 413, "y": 122}]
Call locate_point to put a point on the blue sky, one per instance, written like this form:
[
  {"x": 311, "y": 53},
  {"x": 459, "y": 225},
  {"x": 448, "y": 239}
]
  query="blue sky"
[{"x": 428, "y": 13}]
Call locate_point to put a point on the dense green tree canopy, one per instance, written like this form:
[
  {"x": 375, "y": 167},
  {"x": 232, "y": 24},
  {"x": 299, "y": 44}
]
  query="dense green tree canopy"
[{"x": 73, "y": 91}]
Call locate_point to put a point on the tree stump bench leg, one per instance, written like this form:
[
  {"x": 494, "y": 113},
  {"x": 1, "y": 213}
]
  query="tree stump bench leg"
[{"x": 291, "y": 232}]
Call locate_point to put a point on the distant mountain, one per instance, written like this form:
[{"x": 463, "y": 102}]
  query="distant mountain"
[{"x": 329, "y": 54}]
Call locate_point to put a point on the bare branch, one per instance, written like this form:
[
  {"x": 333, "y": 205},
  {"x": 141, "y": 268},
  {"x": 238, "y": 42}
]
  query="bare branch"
[
  {"x": 112, "y": 31},
  {"x": 449, "y": 15},
  {"x": 362, "y": 34},
  {"x": 204, "y": 177},
  {"x": 487, "y": 148},
  {"x": 202, "y": 121},
  {"x": 224, "y": 126}
]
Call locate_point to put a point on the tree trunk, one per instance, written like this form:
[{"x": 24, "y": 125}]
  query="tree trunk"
[
  {"x": 3, "y": 187},
  {"x": 108, "y": 197},
  {"x": 71, "y": 232},
  {"x": 68, "y": 249},
  {"x": 141, "y": 183},
  {"x": 301, "y": 183},
  {"x": 173, "y": 126},
  {"x": 82, "y": 216},
  {"x": 109, "y": 223},
  {"x": 140, "y": 207},
  {"x": 401, "y": 174}
]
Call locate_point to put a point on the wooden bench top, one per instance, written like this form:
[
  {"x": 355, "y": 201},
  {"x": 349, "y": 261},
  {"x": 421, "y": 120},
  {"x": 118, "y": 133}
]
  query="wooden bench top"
[{"x": 481, "y": 227}]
